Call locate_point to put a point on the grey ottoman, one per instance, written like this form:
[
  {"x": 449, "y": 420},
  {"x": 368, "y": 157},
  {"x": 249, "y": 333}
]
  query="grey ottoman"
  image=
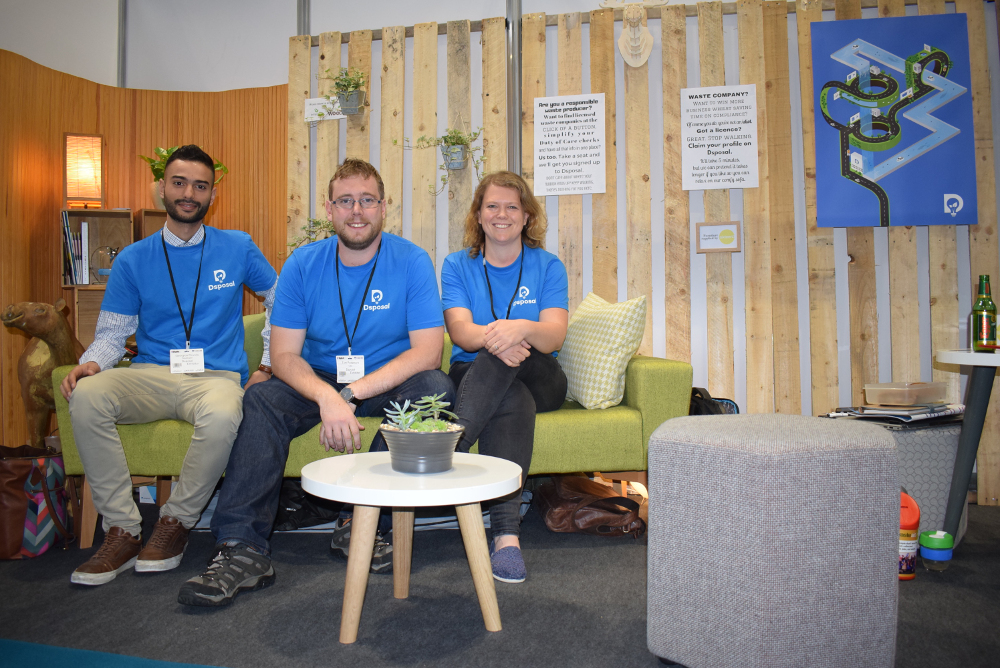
[{"x": 773, "y": 541}]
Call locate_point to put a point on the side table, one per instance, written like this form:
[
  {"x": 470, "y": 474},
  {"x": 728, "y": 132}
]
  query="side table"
[
  {"x": 984, "y": 367},
  {"x": 368, "y": 481}
]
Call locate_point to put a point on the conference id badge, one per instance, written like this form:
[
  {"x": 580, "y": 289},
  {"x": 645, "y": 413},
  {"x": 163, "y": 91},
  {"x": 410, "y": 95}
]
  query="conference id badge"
[
  {"x": 187, "y": 360},
  {"x": 350, "y": 368}
]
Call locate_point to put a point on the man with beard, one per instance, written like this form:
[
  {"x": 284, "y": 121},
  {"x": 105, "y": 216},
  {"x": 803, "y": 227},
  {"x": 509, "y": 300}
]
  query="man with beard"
[
  {"x": 180, "y": 292},
  {"x": 357, "y": 324}
]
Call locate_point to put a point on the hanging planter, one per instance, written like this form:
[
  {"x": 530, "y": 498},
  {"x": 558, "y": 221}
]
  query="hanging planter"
[
  {"x": 455, "y": 157},
  {"x": 353, "y": 103}
]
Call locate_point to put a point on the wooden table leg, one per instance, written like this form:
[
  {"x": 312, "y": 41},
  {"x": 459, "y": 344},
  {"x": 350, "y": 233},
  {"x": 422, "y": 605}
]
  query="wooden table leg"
[
  {"x": 359, "y": 560},
  {"x": 470, "y": 519},
  {"x": 402, "y": 550}
]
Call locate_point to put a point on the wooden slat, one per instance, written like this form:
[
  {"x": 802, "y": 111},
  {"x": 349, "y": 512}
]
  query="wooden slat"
[
  {"x": 298, "y": 135},
  {"x": 604, "y": 206},
  {"x": 532, "y": 86},
  {"x": 718, "y": 266},
  {"x": 425, "y": 47},
  {"x": 359, "y": 55},
  {"x": 903, "y": 306},
  {"x": 822, "y": 285},
  {"x": 943, "y": 273},
  {"x": 571, "y": 206},
  {"x": 459, "y": 117},
  {"x": 983, "y": 255},
  {"x": 756, "y": 222},
  {"x": 495, "y": 93},
  {"x": 861, "y": 280},
  {"x": 676, "y": 213},
  {"x": 781, "y": 210},
  {"x": 638, "y": 216},
  {"x": 327, "y": 132},
  {"x": 391, "y": 154}
]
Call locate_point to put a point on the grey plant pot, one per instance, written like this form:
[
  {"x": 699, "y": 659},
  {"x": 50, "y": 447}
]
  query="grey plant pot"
[
  {"x": 421, "y": 452},
  {"x": 455, "y": 157},
  {"x": 352, "y": 103}
]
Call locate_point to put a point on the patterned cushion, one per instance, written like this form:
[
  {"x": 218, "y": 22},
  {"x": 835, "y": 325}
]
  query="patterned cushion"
[{"x": 601, "y": 339}]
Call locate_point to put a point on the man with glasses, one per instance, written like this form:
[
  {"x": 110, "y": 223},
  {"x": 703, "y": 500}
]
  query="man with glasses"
[{"x": 357, "y": 323}]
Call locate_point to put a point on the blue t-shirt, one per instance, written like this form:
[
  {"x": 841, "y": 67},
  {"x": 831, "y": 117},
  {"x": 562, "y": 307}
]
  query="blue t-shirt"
[
  {"x": 463, "y": 285},
  {"x": 403, "y": 297},
  {"x": 140, "y": 285}
]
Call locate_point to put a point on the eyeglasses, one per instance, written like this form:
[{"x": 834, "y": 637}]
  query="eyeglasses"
[{"x": 347, "y": 203}]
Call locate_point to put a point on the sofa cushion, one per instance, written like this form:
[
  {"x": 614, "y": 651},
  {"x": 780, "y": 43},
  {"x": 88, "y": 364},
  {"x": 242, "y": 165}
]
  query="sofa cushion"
[{"x": 600, "y": 341}]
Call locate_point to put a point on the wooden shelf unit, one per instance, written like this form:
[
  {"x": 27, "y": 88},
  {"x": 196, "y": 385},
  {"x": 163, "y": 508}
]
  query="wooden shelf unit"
[
  {"x": 105, "y": 228},
  {"x": 149, "y": 222}
]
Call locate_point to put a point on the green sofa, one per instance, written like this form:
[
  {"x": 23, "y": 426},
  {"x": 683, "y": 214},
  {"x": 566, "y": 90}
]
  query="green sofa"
[{"x": 572, "y": 439}]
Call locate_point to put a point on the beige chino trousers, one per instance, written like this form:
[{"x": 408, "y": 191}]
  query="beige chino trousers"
[{"x": 211, "y": 401}]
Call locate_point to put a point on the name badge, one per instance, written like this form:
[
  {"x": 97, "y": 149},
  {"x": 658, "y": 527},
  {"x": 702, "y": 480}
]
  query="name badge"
[
  {"x": 350, "y": 368},
  {"x": 187, "y": 360}
]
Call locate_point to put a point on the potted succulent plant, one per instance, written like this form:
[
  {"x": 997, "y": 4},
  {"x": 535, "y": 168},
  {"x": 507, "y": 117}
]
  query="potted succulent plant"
[
  {"x": 419, "y": 439},
  {"x": 349, "y": 88},
  {"x": 159, "y": 163}
]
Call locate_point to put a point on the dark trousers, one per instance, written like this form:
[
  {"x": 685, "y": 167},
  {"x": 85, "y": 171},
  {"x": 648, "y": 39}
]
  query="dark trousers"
[
  {"x": 274, "y": 414},
  {"x": 497, "y": 405}
]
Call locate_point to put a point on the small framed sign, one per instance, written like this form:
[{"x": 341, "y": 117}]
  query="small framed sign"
[{"x": 718, "y": 237}]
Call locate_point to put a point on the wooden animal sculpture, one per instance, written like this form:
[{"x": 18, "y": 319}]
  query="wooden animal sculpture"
[{"x": 52, "y": 344}]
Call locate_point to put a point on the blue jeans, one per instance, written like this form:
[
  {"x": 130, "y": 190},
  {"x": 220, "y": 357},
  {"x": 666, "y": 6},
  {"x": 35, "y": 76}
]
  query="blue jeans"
[
  {"x": 274, "y": 414},
  {"x": 497, "y": 405}
]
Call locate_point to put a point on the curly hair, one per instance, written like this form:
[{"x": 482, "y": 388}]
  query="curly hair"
[
  {"x": 533, "y": 232},
  {"x": 355, "y": 167}
]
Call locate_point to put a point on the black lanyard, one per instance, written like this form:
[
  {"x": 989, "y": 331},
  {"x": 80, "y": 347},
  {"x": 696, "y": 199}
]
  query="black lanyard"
[
  {"x": 197, "y": 282},
  {"x": 336, "y": 264},
  {"x": 517, "y": 285}
]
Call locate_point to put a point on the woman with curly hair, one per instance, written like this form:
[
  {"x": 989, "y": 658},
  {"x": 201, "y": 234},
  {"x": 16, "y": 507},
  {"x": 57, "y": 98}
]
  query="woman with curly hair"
[{"x": 506, "y": 308}]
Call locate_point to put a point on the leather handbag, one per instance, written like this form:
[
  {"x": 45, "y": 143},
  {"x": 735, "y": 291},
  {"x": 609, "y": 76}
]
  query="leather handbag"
[
  {"x": 32, "y": 502},
  {"x": 574, "y": 504}
]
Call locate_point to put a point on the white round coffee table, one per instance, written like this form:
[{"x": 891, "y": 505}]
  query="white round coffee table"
[{"x": 368, "y": 481}]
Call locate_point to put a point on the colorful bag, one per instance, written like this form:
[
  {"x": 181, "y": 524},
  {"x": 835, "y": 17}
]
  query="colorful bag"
[{"x": 32, "y": 502}]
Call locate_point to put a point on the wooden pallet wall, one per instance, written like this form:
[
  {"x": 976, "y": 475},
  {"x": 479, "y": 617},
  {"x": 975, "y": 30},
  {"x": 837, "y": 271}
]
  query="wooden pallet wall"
[{"x": 37, "y": 105}]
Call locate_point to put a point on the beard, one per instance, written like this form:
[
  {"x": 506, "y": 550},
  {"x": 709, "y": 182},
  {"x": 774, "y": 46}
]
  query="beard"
[
  {"x": 179, "y": 216},
  {"x": 358, "y": 244}
]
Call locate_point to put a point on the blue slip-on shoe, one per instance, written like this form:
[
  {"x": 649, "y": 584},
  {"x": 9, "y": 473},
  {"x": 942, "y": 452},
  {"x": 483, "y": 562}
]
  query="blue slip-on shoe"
[{"x": 508, "y": 564}]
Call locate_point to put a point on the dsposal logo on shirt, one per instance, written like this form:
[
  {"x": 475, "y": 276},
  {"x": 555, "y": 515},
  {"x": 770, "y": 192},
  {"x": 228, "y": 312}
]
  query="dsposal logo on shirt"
[
  {"x": 376, "y": 305},
  {"x": 523, "y": 292},
  {"x": 220, "y": 276}
]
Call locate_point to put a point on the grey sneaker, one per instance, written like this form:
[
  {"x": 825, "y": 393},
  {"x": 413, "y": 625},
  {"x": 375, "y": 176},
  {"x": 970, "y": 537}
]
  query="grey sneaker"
[
  {"x": 381, "y": 552},
  {"x": 232, "y": 569}
]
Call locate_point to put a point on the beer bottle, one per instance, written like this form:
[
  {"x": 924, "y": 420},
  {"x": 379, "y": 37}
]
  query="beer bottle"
[{"x": 984, "y": 318}]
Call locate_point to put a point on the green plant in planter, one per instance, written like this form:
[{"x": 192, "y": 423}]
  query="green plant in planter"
[
  {"x": 348, "y": 81},
  {"x": 451, "y": 138},
  {"x": 159, "y": 163},
  {"x": 423, "y": 416},
  {"x": 347, "y": 85}
]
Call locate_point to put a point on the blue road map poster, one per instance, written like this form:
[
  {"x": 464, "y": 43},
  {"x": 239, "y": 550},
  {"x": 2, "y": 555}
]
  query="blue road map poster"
[{"x": 894, "y": 142}]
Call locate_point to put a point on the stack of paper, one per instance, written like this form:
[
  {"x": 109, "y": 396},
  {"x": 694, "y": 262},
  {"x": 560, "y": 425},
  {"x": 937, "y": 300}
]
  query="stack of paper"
[{"x": 901, "y": 413}]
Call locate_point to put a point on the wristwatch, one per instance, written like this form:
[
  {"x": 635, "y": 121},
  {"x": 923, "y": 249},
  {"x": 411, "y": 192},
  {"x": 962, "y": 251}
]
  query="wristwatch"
[
  {"x": 347, "y": 394},
  {"x": 266, "y": 369}
]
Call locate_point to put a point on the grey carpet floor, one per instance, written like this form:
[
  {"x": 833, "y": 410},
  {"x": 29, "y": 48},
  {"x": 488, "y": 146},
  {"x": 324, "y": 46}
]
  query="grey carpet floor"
[{"x": 584, "y": 604}]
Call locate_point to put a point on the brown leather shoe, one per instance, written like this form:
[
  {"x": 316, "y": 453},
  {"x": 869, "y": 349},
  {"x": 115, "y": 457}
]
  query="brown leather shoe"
[
  {"x": 118, "y": 553},
  {"x": 165, "y": 547}
]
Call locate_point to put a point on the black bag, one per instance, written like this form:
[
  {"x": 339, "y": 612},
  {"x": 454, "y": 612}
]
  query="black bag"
[
  {"x": 298, "y": 510},
  {"x": 702, "y": 403}
]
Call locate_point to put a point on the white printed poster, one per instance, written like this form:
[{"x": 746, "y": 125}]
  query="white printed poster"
[
  {"x": 569, "y": 145},
  {"x": 719, "y": 126}
]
